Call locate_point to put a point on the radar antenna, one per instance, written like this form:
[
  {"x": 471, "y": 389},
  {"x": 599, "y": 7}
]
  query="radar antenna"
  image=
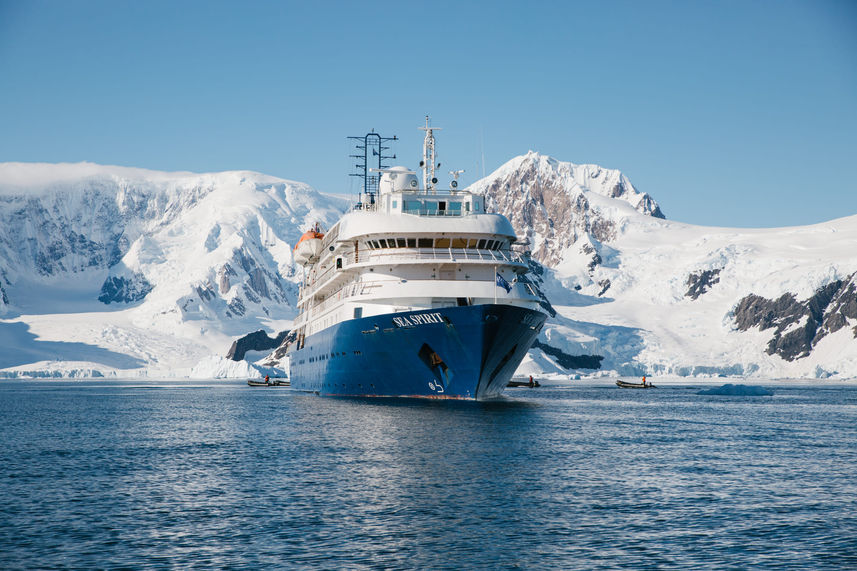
[{"x": 428, "y": 163}]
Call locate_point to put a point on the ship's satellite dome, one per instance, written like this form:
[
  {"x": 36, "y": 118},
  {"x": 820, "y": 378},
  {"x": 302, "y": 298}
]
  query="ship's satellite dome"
[{"x": 398, "y": 178}]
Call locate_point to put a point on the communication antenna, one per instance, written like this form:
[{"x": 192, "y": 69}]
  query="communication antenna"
[
  {"x": 428, "y": 163},
  {"x": 371, "y": 146},
  {"x": 455, "y": 175}
]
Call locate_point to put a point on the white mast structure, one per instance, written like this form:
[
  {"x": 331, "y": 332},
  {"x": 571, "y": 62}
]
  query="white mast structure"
[{"x": 429, "y": 157}]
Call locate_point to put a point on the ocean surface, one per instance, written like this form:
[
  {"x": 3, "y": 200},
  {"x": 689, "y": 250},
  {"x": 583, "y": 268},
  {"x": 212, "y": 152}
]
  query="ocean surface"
[{"x": 219, "y": 475}]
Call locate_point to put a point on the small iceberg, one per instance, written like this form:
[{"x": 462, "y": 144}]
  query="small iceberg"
[{"x": 737, "y": 391}]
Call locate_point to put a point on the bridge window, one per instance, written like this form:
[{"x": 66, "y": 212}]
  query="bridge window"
[
  {"x": 401, "y": 242},
  {"x": 412, "y": 242},
  {"x": 481, "y": 244},
  {"x": 442, "y": 243},
  {"x": 424, "y": 242}
]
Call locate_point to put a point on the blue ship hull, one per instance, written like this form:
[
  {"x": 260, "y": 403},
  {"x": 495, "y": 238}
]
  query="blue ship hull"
[{"x": 467, "y": 352}]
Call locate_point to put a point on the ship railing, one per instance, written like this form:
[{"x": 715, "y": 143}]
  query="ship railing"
[
  {"x": 355, "y": 289},
  {"x": 349, "y": 290},
  {"x": 394, "y": 255},
  {"x": 429, "y": 212},
  {"x": 435, "y": 254}
]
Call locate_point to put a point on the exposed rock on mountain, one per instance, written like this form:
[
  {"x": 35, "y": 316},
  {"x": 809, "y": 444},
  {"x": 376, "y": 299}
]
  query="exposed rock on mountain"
[
  {"x": 124, "y": 290},
  {"x": 800, "y": 325},
  {"x": 256, "y": 341},
  {"x": 701, "y": 282},
  {"x": 570, "y": 362},
  {"x": 554, "y": 204}
]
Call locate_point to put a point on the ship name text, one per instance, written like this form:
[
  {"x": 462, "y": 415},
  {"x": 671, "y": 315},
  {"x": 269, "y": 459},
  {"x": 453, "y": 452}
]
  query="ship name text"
[{"x": 418, "y": 319}]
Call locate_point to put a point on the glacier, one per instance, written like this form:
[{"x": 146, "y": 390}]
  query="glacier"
[{"x": 112, "y": 271}]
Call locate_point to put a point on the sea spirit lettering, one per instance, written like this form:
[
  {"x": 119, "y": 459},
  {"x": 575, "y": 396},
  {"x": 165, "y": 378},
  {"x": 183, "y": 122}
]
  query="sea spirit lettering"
[{"x": 418, "y": 319}]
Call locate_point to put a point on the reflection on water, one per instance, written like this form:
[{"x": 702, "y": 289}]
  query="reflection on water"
[{"x": 214, "y": 474}]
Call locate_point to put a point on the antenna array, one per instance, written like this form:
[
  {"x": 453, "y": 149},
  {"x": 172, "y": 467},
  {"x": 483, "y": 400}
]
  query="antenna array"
[{"x": 371, "y": 146}]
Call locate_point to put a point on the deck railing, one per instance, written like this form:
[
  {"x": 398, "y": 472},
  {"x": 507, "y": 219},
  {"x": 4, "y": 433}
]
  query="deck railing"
[
  {"x": 354, "y": 289},
  {"x": 421, "y": 254},
  {"x": 434, "y": 254}
]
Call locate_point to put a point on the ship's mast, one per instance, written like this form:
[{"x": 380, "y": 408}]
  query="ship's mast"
[
  {"x": 429, "y": 157},
  {"x": 371, "y": 146}
]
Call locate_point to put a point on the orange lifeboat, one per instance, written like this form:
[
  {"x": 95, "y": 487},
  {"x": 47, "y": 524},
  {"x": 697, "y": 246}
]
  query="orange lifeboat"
[{"x": 308, "y": 247}]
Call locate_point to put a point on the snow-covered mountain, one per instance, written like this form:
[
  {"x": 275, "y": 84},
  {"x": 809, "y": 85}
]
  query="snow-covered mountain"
[
  {"x": 144, "y": 270},
  {"x": 557, "y": 205},
  {"x": 119, "y": 271},
  {"x": 648, "y": 295}
]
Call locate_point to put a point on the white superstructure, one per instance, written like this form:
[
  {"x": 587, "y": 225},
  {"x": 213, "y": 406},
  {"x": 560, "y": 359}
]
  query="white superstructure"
[{"x": 414, "y": 247}]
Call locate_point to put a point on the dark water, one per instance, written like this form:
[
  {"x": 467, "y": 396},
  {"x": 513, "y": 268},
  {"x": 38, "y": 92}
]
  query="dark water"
[{"x": 220, "y": 475}]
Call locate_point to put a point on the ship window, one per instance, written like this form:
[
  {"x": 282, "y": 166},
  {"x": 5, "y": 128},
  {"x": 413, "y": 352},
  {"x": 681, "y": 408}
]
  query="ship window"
[
  {"x": 400, "y": 242},
  {"x": 424, "y": 242},
  {"x": 358, "y": 312},
  {"x": 472, "y": 243},
  {"x": 383, "y": 243},
  {"x": 395, "y": 203},
  {"x": 455, "y": 207},
  {"x": 441, "y": 205},
  {"x": 459, "y": 243},
  {"x": 467, "y": 207},
  {"x": 442, "y": 243},
  {"x": 412, "y": 242},
  {"x": 431, "y": 207},
  {"x": 369, "y": 244},
  {"x": 481, "y": 244},
  {"x": 375, "y": 244},
  {"x": 497, "y": 244}
]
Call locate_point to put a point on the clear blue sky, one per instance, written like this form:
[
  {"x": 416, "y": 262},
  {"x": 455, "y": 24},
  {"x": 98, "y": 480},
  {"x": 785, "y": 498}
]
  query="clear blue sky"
[{"x": 733, "y": 113}]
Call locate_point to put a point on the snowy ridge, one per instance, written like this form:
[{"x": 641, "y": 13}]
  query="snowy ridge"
[{"x": 157, "y": 269}]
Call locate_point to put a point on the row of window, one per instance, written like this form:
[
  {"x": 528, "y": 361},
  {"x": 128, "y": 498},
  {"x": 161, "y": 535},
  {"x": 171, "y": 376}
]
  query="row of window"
[
  {"x": 477, "y": 243},
  {"x": 325, "y": 356}
]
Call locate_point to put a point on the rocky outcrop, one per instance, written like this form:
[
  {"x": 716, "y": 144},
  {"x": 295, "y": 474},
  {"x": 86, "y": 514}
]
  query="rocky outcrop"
[
  {"x": 799, "y": 325},
  {"x": 548, "y": 202},
  {"x": 119, "y": 289},
  {"x": 700, "y": 283},
  {"x": 256, "y": 341},
  {"x": 567, "y": 361}
]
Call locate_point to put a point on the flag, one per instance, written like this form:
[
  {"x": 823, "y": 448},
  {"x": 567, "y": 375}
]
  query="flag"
[{"x": 501, "y": 281}]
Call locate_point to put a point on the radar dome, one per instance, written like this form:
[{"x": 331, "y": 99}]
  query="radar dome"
[{"x": 398, "y": 178}]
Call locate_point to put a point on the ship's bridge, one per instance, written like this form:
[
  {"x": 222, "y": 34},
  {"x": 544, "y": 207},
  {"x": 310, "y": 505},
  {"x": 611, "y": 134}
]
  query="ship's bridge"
[{"x": 400, "y": 194}]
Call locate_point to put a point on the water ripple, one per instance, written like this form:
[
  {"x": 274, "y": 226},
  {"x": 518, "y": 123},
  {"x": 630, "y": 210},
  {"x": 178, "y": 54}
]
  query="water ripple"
[{"x": 213, "y": 475}]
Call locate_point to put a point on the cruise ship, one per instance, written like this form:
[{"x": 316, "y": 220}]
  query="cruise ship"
[{"x": 415, "y": 292}]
